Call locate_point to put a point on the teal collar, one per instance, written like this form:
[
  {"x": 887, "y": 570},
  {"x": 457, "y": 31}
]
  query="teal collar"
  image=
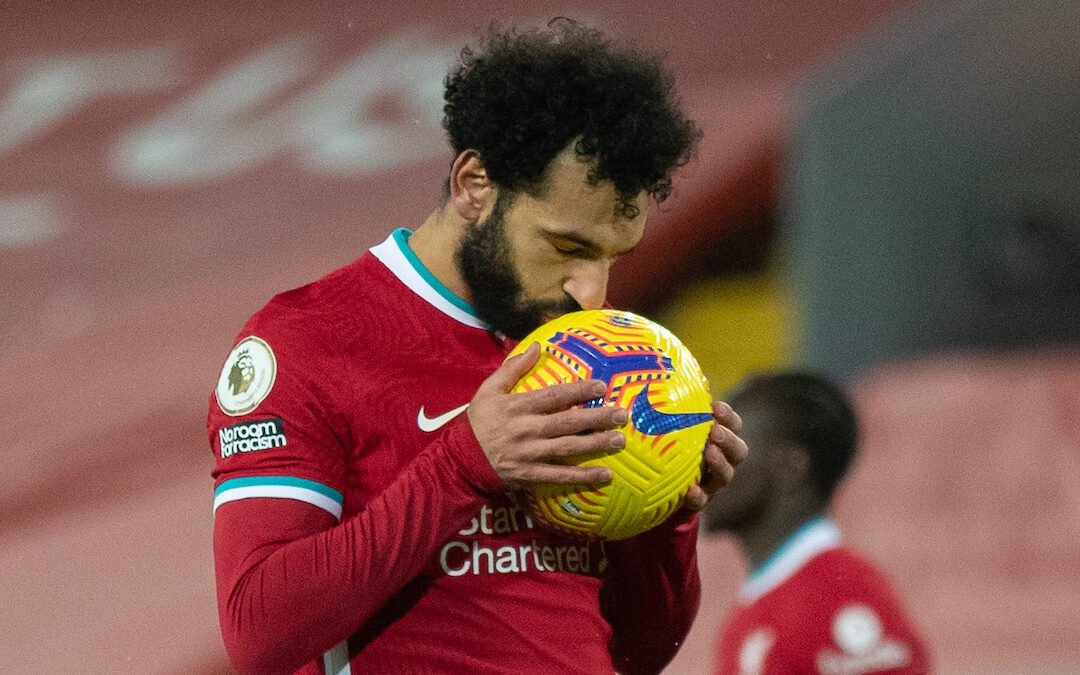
[
  {"x": 813, "y": 537},
  {"x": 394, "y": 252}
]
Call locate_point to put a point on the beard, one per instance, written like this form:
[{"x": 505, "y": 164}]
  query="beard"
[{"x": 485, "y": 263}]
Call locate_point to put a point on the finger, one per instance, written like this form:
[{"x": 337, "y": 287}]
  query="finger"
[
  {"x": 565, "y": 474},
  {"x": 717, "y": 471},
  {"x": 733, "y": 447},
  {"x": 560, "y": 396},
  {"x": 513, "y": 369},
  {"x": 563, "y": 447},
  {"x": 578, "y": 420},
  {"x": 724, "y": 414},
  {"x": 695, "y": 498}
]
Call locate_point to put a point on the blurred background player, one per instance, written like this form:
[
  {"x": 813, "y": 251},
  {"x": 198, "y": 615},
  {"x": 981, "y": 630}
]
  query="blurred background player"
[
  {"x": 810, "y": 604},
  {"x": 362, "y": 516}
]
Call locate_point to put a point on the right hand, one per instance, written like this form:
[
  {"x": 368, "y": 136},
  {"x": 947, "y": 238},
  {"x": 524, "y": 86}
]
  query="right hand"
[{"x": 524, "y": 434}]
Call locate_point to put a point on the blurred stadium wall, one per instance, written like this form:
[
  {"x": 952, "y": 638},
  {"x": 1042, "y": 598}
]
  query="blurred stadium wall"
[
  {"x": 933, "y": 188},
  {"x": 165, "y": 168}
]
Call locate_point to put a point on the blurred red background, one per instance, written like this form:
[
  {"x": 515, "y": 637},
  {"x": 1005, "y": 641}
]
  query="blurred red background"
[{"x": 165, "y": 169}]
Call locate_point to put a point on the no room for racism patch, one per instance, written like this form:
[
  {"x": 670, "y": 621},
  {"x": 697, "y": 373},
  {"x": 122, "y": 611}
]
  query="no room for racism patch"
[{"x": 252, "y": 436}]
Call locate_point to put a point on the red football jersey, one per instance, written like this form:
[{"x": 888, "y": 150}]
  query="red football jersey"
[
  {"x": 817, "y": 608},
  {"x": 358, "y": 519}
]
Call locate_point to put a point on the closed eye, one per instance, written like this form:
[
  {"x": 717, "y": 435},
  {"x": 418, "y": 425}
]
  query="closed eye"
[
  {"x": 573, "y": 246},
  {"x": 571, "y": 250}
]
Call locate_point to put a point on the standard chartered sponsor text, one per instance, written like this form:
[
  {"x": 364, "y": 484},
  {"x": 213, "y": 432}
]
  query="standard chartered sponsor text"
[{"x": 480, "y": 556}]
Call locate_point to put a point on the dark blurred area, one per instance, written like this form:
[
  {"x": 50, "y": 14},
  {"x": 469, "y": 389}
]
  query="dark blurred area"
[{"x": 933, "y": 188}]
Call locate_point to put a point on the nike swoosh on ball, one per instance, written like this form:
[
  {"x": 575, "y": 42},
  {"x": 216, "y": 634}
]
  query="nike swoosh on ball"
[{"x": 652, "y": 422}]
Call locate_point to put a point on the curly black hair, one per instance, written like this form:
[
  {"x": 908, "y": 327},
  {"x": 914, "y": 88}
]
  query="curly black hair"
[{"x": 524, "y": 97}]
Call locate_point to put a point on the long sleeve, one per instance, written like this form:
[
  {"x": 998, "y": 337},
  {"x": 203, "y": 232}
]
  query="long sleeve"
[
  {"x": 652, "y": 595},
  {"x": 292, "y": 583}
]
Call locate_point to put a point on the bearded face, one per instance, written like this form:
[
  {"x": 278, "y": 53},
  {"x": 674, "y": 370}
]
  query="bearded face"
[{"x": 485, "y": 261}]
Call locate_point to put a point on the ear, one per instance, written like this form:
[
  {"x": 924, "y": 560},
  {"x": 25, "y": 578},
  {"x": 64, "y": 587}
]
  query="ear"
[{"x": 471, "y": 190}]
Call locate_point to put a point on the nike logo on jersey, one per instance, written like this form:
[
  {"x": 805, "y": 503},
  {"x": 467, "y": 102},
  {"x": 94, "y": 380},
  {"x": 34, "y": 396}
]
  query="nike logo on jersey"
[
  {"x": 651, "y": 422},
  {"x": 432, "y": 423}
]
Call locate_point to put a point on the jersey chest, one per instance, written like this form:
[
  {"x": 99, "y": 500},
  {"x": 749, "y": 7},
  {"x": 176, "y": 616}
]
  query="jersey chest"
[
  {"x": 831, "y": 617},
  {"x": 406, "y": 394}
]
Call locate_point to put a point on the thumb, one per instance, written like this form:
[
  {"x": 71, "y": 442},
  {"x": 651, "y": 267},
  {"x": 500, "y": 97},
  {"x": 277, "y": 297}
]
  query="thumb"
[{"x": 514, "y": 368}]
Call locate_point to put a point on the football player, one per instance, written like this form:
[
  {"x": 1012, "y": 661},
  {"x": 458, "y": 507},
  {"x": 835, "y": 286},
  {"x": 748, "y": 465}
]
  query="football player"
[
  {"x": 810, "y": 604},
  {"x": 365, "y": 436}
]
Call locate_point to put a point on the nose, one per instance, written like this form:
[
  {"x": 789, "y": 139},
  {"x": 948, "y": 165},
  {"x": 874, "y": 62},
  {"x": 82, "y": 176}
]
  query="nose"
[{"x": 588, "y": 284}]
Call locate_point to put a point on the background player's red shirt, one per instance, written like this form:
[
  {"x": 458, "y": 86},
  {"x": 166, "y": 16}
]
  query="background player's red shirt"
[
  {"x": 818, "y": 608},
  {"x": 359, "y": 523}
]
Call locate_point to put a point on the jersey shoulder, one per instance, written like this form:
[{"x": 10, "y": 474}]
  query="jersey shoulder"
[
  {"x": 846, "y": 573},
  {"x": 850, "y": 611},
  {"x": 326, "y": 309},
  {"x": 280, "y": 405},
  {"x": 293, "y": 346}
]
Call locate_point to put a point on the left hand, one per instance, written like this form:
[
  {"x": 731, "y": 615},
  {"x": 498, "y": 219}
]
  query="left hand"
[{"x": 723, "y": 452}]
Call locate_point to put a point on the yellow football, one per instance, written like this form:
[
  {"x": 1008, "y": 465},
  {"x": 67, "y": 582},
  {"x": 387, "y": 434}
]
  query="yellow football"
[{"x": 651, "y": 374}]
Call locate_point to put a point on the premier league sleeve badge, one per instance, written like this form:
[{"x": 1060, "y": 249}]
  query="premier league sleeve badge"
[{"x": 247, "y": 377}]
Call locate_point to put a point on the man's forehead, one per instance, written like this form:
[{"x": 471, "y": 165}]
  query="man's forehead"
[
  {"x": 570, "y": 172},
  {"x": 569, "y": 185}
]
